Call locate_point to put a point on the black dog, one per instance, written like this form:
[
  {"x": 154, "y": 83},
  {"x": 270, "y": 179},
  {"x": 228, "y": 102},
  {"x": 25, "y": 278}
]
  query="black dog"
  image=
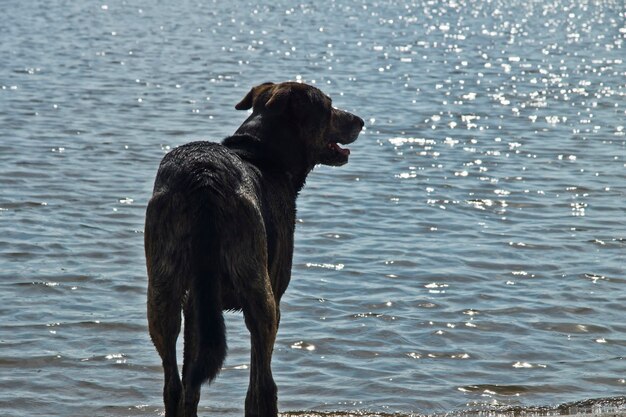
[{"x": 219, "y": 235}]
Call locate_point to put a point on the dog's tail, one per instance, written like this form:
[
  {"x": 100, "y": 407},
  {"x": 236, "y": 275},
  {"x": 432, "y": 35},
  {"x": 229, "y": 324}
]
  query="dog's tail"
[{"x": 205, "y": 332}]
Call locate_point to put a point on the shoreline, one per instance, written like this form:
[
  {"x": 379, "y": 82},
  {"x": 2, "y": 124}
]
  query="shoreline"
[{"x": 598, "y": 407}]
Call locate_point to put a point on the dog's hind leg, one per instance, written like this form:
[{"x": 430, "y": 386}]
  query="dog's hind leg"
[
  {"x": 164, "y": 326},
  {"x": 260, "y": 311},
  {"x": 164, "y": 296},
  {"x": 261, "y": 316}
]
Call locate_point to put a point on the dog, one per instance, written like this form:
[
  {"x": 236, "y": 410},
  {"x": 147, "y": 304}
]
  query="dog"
[{"x": 219, "y": 235}]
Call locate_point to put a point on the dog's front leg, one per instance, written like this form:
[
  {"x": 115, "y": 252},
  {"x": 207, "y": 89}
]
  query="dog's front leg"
[{"x": 261, "y": 315}]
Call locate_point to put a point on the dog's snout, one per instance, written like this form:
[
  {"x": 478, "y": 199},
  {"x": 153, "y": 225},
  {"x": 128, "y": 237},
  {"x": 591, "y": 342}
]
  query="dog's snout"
[{"x": 350, "y": 119}]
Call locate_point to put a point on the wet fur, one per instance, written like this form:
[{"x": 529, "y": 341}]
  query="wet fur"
[{"x": 219, "y": 236}]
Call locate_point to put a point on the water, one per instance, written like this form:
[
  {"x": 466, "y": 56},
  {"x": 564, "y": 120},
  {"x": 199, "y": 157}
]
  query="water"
[{"x": 470, "y": 256}]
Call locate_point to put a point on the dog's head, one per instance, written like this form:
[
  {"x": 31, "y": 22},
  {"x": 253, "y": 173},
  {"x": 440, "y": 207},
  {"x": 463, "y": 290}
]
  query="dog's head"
[{"x": 309, "y": 115}]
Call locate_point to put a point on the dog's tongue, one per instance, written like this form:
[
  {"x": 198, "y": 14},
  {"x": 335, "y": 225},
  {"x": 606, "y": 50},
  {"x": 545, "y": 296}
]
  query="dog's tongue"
[{"x": 339, "y": 149}]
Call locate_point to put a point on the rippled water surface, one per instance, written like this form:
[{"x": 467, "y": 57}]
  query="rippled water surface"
[{"x": 470, "y": 256}]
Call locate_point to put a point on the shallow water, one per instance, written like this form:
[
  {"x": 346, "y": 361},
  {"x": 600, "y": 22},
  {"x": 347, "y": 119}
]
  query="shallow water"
[{"x": 470, "y": 256}]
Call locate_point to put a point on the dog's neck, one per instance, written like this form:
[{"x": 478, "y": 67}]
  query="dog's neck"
[{"x": 258, "y": 141}]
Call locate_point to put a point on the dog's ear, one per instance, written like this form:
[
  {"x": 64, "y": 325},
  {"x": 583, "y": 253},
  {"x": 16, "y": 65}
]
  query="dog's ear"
[
  {"x": 279, "y": 99},
  {"x": 248, "y": 101}
]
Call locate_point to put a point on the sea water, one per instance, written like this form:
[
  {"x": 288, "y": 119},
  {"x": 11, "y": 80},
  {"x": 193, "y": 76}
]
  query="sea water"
[{"x": 469, "y": 257}]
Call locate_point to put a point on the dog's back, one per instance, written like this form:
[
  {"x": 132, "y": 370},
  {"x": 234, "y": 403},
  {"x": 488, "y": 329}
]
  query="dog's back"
[{"x": 194, "y": 187}]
